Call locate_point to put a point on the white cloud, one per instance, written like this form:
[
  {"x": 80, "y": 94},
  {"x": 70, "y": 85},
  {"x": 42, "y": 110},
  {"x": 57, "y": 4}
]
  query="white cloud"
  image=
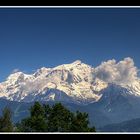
[
  {"x": 15, "y": 70},
  {"x": 121, "y": 73}
]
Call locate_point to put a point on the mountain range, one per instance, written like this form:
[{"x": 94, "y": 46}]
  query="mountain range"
[
  {"x": 69, "y": 82},
  {"x": 110, "y": 92}
]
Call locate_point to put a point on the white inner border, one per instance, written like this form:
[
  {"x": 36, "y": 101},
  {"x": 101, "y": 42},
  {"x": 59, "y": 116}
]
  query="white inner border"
[{"x": 69, "y": 7}]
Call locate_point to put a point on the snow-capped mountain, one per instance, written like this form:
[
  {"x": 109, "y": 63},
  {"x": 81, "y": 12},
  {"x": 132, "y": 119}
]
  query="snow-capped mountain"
[{"x": 76, "y": 82}]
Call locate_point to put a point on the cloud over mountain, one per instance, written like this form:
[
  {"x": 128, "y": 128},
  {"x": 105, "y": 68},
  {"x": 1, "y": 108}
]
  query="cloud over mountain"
[
  {"x": 123, "y": 72},
  {"x": 15, "y": 70}
]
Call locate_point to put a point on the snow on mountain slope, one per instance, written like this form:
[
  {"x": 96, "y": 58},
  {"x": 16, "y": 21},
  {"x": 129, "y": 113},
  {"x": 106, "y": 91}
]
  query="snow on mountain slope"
[
  {"x": 76, "y": 82},
  {"x": 72, "y": 81}
]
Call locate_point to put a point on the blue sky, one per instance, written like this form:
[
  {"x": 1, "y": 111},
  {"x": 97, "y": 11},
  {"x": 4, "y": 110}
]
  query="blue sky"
[{"x": 33, "y": 38}]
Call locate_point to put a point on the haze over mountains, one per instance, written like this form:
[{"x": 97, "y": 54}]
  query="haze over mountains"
[{"x": 110, "y": 92}]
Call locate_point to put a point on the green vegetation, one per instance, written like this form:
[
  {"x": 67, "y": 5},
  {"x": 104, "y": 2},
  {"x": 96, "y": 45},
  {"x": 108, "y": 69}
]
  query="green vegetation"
[
  {"x": 5, "y": 121},
  {"x": 45, "y": 118}
]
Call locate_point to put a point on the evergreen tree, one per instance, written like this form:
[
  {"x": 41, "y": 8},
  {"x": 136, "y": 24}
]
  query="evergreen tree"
[
  {"x": 36, "y": 122},
  {"x": 5, "y": 121},
  {"x": 60, "y": 119},
  {"x": 37, "y": 110},
  {"x": 57, "y": 118},
  {"x": 80, "y": 123}
]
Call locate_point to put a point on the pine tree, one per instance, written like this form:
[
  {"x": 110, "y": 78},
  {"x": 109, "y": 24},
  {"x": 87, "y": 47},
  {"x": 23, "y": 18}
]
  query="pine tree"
[
  {"x": 80, "y": 123},
  {"x": 57, "y": 118},
  {"x": 36, "y": 122},
  {"x": 5, "y": 121}
]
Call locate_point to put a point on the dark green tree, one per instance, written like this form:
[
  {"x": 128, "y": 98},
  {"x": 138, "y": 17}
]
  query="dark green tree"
[
  {"x": 57, "y": 118},
  {"x": 5, "y": 121},
  {"x": 60, "y": 119},
  {"x": 36, "y": 122},
  {"x": 80, "y": 123},
  {"x": 37, "y": 110}
]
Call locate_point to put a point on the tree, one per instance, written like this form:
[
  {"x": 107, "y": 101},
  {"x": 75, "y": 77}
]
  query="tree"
[
  {"x": 36, "y": 122},
  {"x": 60, "y": 119},
  {"x": 5, "y": 121},
  {"x": 80, "y": 123},
  {"x": 56, "y": 118},
  {"x": 37, "y": 110}
]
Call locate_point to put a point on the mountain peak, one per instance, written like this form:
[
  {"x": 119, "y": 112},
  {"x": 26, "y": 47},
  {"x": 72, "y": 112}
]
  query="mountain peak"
[
  {"x": 16, "y": 74},
  {"x": 77, "y": 62},
  {"x": 74, "y": 64}
]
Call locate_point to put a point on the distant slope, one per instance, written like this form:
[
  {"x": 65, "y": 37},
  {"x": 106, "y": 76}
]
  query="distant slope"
[
  {"x": 99, "y": 115},
  {"x": 19, "y": 109},
  {"x": 126, "y": 126}
]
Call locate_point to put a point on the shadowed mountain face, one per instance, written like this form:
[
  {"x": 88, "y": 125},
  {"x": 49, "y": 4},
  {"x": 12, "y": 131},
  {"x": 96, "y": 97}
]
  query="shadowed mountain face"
[
  {"x": 125, "y": 126},
  {"x": 100, "y": 113}
]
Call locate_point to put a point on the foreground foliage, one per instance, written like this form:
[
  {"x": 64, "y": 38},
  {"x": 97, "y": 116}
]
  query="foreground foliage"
[
  {"x": 56, "y": 118},
  {"x": 5, "y": 121}
]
